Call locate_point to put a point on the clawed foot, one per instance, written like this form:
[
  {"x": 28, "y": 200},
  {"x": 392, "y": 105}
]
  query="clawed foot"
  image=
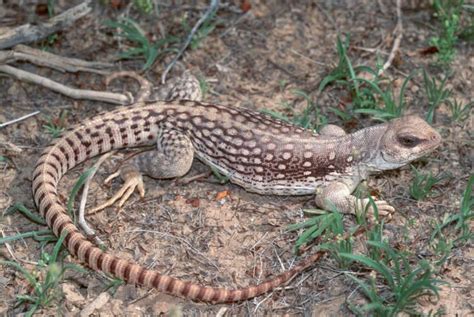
[
  {"x": 384, "y": 209},
  {"x": 132, "y": 180}
]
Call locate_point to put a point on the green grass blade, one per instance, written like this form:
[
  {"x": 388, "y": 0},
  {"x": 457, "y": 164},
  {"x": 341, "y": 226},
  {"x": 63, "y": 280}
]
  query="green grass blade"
[
  {"x": 77, "y": 186},
  {"x": 379, "y": 267},
  {"x": 24, "y": 235},
  {"x": 35, "y": 217}
]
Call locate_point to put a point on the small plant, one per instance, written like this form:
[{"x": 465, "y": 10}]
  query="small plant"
[
  {"x": 3, "y": 159},
  {"x": 391, "y": 108},
  {"x": 459, "y": 112},
  {"x": 222, "y": 179},
  {"x": 345, "y": 74},
  {"x": 344, "y": 70},
  {"x": 463, "y": 218},
  {"x": 366, "y": 94},
  {"x": 150, "y": 51},
  {"x": 145, "y": 6},
  {"x": 75, "y": 190},
  {"x": 55, "y": 127},
  {"x": 375, "y": 234},
  {"x": 44, "y": 282},
  {"x": 422, "y": 184},
  {"x": 204, "y": 30},
  {"x": 436, "y": 94},
  {"x": 448, "y": 13},
  {"x": 44, "y": 237},
  {"x": 404, "y": 283},
  {"x": 330, "y": 228},
  {"x": 204, "y": 86},
  {"x": 310, "y": 118}
]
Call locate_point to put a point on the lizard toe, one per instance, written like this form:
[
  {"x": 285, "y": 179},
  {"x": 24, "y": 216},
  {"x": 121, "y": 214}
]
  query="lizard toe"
[{"x": 132, "y": 182}]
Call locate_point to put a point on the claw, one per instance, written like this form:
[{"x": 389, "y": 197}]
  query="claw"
[
  {"x": 384, "y": 208},
  {"x": 133, "y": 180}
]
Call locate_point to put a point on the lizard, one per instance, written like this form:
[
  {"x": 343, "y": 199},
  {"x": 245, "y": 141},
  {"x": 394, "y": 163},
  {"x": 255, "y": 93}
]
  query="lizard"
[{"x": 257, "y": 152}]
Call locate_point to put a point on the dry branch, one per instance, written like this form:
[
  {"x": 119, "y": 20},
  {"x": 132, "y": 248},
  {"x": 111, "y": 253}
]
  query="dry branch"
[
  {"x": 74, "y": 93},
  {"x": 63, "y": 64},
  {"x": 30, "y": 33}
]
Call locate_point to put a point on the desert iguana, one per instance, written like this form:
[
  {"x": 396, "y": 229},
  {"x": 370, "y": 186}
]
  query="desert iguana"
[{"x": 253, "y": 150}]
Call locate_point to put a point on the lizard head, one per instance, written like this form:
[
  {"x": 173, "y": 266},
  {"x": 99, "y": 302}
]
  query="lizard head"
[{"x": 405, "y": 139}]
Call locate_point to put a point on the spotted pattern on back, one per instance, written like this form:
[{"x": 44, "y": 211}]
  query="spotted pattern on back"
[{"x": 252, "y": 149}]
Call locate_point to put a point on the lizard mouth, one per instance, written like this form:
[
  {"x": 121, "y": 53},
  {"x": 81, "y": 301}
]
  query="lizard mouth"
[{"x": 389, "y": 159}]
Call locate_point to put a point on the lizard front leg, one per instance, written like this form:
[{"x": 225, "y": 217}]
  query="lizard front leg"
[
  {"x": 338, "y": 195},
  {"x": 172, "y": 158}
]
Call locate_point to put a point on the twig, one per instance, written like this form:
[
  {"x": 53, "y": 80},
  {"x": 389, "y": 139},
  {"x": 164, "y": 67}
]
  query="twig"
[
  {"x": 212, "y": 7},
  {"x": 82, "y": 221},
  {"x": 19, "y": 119},
  {"x": 396, "y": 44},
  {"x": 109, "y": 97},
  {"x": 12, "y": 253},
  {"x": 59, "y": 63},
  {"x": 146, "y": 86},
  {"x": 29, "y": 33}
]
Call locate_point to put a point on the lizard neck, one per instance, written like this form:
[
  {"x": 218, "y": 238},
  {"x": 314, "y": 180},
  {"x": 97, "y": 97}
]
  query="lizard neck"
[{"x": 362, "y": 149}]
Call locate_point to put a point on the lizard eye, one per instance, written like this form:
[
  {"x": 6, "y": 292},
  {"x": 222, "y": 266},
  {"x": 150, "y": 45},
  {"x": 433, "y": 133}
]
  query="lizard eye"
[{"x": 408, "y": 141}]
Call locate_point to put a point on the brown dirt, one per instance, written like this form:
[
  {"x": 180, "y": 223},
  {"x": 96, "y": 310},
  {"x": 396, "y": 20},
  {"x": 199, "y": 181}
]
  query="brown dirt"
[{"x": 253, "y": 60}]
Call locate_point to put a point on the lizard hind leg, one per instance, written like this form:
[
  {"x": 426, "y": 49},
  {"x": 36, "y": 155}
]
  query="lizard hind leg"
[
  {"x": 172, "y": 158},
  {"x": 185, "y": 87}
]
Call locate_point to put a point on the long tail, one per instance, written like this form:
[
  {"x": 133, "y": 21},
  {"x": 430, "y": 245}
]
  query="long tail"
[{"x": 115, "y": 130}]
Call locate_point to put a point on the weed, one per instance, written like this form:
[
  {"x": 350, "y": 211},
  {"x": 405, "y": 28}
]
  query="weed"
[
  {"x": 376, "y": 234},
  {"x": 345, "y": 74},
  {"x": 436, "y": 94},
  {"x": 344, "y": 70},
  {"x": 204, "y": 30},
  {"x": 55, "y": 127},
  {"x": 222, "y": 179},
  {"x": 145, "y": 6},
  {"x": 448, "y": 13},
  {"x": 150, "y": 51},
  {"x": 33, "y": 216},
  {"x": 204, "y": 86},
  {"x": 331, "y": 227},
  {"x": 50, "y": 5},
  {"x": 462, "y": 219},
  {"x": 31, "y": 234},
  {"x": 391, "y": 108},
  {"x": 75, "y": 190},
  {"x": 52, "y": 38},
  {"x": 113, "y": 285},
  {"x": 310, "y": 118},
  {"x": 366, "y": 94},
  {"x": 44, "y": 237},
  {"x": 405, "y": 283},
  {"x": 423, "y": 183},
  {"x": 45, "y": 280},
  {"x": 458, "y": 111}
]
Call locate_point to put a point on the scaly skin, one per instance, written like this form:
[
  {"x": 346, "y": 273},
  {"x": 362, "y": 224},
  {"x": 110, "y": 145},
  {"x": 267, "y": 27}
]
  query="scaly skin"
[{"x": 257, "y": 152}]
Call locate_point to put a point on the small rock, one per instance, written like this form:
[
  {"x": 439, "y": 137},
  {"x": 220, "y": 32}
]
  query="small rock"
[
  {"x": 97, "y": 303},
  {"x": 72, "y": 294}
]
